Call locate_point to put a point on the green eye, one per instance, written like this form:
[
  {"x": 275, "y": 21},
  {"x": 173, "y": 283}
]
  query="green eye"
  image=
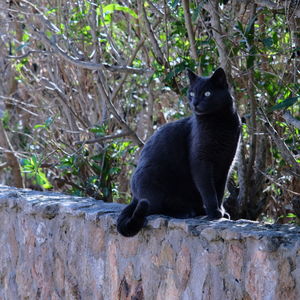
[{"x": 207, "y": 94}]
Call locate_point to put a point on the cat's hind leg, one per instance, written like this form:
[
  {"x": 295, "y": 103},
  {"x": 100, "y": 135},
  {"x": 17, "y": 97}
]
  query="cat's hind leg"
[{"x": 133, "y": 217}]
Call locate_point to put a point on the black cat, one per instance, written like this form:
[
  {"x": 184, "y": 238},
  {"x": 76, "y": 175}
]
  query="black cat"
[{"x": 183, "y": 168}]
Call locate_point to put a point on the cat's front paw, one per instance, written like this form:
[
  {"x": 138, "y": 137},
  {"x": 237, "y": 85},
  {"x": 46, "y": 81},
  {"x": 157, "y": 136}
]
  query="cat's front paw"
[
  {"x": 215, "y": 215},
  {"x": 226, "y": 216}
]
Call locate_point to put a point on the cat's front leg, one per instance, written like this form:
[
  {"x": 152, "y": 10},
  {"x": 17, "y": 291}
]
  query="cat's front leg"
[{"x": 203, "y": 176}]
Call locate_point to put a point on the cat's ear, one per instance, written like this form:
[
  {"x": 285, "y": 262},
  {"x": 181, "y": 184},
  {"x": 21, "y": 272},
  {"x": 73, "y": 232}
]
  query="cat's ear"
[
  {"x": 219, "y": 78},
  {"x": 192, "y": 76}
]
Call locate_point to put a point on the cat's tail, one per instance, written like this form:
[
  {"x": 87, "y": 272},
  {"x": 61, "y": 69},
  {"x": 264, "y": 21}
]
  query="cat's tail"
[{"x": 133, "y": 217}]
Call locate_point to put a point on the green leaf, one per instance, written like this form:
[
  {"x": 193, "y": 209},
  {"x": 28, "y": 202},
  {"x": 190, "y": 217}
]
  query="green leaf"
[
  {"x": 25, "y": 38},
  {"x": 42, "y": 180},
  {"x": 46, "y": 125},
  {"x": 177, "y": 69},
  {"x": 99, "y": 130},
  {"x": 24, "y": 162},
  {"x": 51, "y": 11},
  {"x": 268, "y": 42},
  {"x": 197, "y": 12},
  {"x": 291, "y": 215},
  {"x": 107, "y": 10},
  {"x": 250, "y": 61},
  {"x": 249, "y": 27},
  {"x": 285, "y": 103},
  {"x": 174, "y": 3},
  {"x": 275, "y": 38},
  {"x": 239, "y": 26},
  {"x": 5, "y": 119},
  {"x": 34, "y": 161},
  {"x": 39, "y": 126}
]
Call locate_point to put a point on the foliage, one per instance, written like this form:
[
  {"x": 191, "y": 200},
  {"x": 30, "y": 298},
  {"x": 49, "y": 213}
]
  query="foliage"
[{"x": 87, "y": 83}]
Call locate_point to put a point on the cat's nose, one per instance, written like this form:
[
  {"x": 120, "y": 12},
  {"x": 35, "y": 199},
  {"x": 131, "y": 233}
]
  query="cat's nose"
[{"x": 198, "y": 107}]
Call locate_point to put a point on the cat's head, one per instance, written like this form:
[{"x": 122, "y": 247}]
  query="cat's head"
[{"x": 208, "y": 95}]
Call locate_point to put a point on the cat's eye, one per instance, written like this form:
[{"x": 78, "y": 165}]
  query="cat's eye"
[
  {"x": 192, "y": 94},
  {"x": 207, "y": 94}
]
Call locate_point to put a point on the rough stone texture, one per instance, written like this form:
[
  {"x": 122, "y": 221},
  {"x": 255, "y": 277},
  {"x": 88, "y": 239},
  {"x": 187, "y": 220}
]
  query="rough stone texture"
[{"x": 55, "y": 246}]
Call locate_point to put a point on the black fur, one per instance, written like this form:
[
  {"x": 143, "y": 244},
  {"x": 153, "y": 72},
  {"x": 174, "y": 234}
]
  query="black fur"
[{"x": 183, "y": 168}]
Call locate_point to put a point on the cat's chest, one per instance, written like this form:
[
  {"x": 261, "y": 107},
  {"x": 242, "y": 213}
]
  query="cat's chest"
[
  {"x": 213, "y": 140},
  {"x": 205, "y": 134}
]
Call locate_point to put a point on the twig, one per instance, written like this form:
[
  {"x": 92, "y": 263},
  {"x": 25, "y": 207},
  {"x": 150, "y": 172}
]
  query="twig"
[
  {"x": 14, "y": 100},
  {"x": 19, "y": 105},
  {"x": 63, "y": 99},
  {"x": 26, "y": 54},
  {"x": 3, "y": 165},
  {"x": 113, "y": 110},
  {"x": 278, "y": 184},
  {"x": 269, "y": 4},
  {"x": 156, "y": 10},
  {"x": 104, "y": 138}
]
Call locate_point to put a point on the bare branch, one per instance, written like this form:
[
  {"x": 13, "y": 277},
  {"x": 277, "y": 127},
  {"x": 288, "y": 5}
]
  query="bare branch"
[
  {"x": 278, "y": 184},
  {"x": 113, "y": 109},
  {"x": 213, "y": 8},
  {"x": 104, "y": 138},
  {"x": 270, "y": 4},
  {"x": 63, "y": 100},
  {"x": 189, "y": 28},
  {"x": 253, "y": 108},
  {"x": 26, "y": 54},
  {"x": 14, "y": 100},
  {"x": 282, "y": 147},
  {"x": 3, "y": 165},
  {"x": 126, "y": 69},
  {"x": 86, "y": 64},
  {"x": 291, "y": 120},
  {"x": 156, "y": 49},
  {"x": 11, "y": 158}
]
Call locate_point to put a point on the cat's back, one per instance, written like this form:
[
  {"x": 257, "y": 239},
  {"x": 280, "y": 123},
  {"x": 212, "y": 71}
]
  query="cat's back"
[{"x": 168, "y": 143}]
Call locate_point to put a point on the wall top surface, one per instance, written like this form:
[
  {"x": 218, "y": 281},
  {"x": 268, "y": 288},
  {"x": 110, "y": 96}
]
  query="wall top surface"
[{"x": 49, "y": 204}]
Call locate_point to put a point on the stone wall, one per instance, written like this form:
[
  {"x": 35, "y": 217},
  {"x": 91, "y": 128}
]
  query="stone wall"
[{"x": 54, "y": 246}]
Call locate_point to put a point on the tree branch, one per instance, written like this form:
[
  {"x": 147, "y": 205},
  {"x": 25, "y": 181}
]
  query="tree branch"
[
  {"x": 114, "y": 111},
  {"x": 156, "y": 49},
  {"x": 11, "y": 158},
  {"x": 86, "y": 64},
  {"x": 212, "y": 7},
  {"x": 269, "y": 4},
  {"x": 189, "y": 28},
  {"x": 26, "y": 54},
  {"x": 104, "y": 138},
  {"x": 278, "y": 184},
  {"x": 282, "y": 147},
  {"x": 291, "y": 120}
]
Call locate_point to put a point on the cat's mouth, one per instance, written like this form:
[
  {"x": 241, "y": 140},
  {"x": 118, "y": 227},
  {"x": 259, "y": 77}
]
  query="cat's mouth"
[{"x": 199, "y": 112}]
